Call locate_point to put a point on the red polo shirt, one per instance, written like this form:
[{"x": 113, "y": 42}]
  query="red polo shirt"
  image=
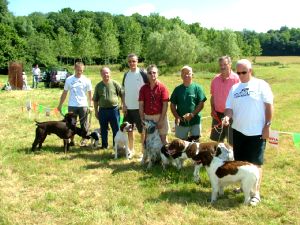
[{"x": 153, "y": 98}]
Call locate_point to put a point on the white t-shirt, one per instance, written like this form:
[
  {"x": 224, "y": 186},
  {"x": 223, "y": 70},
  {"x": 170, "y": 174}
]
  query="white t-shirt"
[
  {"x": 132, "y": 85},
  {"x": 247, "y": 102},
  {"x": 78, "y": 88},
  {"x": 36, "y": 71}
]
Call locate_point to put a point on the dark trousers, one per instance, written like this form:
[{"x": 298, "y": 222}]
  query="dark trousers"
[
  {"x": 82, "y": 112},
  {"x": 248, "y": 148},
  {"x": 108, "y": 116}
]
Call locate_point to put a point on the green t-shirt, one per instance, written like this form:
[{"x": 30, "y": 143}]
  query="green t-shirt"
[
  {"x": 107, "y": 95},
  {"x": 186, "y": 100}
]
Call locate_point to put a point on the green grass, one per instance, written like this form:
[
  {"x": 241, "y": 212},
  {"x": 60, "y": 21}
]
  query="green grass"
[{"x": 90, "y": 187}]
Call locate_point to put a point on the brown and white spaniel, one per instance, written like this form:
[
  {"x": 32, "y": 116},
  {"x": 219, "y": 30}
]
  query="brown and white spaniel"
[
  {"x": 222, "y": 172},
  {"x": 179, "y": 150}
]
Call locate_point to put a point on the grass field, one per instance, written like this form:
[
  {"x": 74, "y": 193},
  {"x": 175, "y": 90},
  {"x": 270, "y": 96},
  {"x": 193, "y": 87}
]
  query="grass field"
[{"x": 90, "y": 187}]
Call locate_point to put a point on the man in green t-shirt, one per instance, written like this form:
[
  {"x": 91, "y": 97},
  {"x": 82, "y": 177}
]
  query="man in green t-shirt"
[
  {"x": 187, "y": 100},
  {"x": 106, "y": 102}
]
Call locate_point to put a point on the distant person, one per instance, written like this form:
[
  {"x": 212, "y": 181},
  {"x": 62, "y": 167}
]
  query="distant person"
[
  {"x": 250, "y": 105},
  {"x": 133, "y": 80},
  {"x": 24, "y": 77},
  {"x": 106, "y": 103},
  {"x": 153, "y": 102},
  {"x": 187, "y": 101},
  {"x": 80, "y": 98},
  {"x": 219, "y": 89},
  {"x": 36, "y": 73}
]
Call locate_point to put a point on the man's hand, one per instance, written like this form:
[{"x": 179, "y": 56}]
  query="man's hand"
[
  {"x": 160, "y": 124},
  {"x": 177, "y": 120},
  {"x": 266, "y": 132},
  {"x": 188, "y": 116}
]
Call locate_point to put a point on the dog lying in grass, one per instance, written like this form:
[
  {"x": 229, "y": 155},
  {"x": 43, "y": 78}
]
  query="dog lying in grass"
[{"x": 64, "y": 129}]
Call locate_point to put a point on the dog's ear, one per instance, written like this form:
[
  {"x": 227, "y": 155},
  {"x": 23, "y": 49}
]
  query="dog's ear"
[
  {"x": 206, "y": 157},
  {"x": 123, "y": 125}
]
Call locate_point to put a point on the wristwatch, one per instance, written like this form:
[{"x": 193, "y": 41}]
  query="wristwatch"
[{"x": 268, "y": 123}]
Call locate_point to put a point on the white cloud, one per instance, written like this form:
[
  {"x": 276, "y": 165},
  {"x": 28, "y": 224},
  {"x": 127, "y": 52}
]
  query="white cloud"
[{"x": 143, "y": 9}]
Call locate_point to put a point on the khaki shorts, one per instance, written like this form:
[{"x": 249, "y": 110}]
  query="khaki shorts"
[{"x": 166, "y": 127}]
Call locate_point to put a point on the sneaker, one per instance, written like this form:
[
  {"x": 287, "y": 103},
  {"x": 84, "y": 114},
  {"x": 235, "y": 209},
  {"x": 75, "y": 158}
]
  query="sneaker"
[{"x": 254, "y": 201}]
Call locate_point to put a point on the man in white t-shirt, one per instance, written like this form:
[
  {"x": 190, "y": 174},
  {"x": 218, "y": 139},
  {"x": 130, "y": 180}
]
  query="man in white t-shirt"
[
  {"x": 36, "y": 73},
  {"x": 250, "y": 105},
  {"x": 80, "y": 97},
  {"x": 133, "y": 80}
]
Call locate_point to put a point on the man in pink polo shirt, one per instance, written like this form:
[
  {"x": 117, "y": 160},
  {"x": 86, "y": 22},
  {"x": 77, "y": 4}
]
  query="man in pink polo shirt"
[
  {"x": 219, "y": 89},
  {"x": 153, "y": 102}
]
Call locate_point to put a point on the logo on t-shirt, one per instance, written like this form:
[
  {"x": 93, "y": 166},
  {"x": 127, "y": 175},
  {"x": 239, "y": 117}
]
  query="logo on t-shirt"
[{"x": 244, "y": 92}]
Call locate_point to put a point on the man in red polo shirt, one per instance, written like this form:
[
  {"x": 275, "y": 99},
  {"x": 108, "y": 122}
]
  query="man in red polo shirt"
[
  {"x": 219, "y": 89},
  {"x": 153, "y": 102}
]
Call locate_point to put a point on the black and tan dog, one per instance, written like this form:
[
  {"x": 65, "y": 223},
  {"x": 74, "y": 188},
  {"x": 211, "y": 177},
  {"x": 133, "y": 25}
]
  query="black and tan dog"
[{"x": 65, "y": 129}]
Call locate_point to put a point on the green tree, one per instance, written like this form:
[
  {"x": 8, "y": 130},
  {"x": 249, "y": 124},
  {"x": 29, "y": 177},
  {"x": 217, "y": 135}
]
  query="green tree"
[
  {"x": 41, "y": 50},
  {"x": 109, "y": 45},
  {"x": 174, "y": 47},
  {"x": 130, "y": 35},
  {"x": 84, "y": 43},
  {"x": 63, "y": 44},
  {"x": 153, "y": 47},
  {"x": 227, "y": 44},
  {"x": 12, "y": 46}
]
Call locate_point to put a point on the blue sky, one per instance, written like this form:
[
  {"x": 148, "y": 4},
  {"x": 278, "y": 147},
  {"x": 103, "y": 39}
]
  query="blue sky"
[{"x": 258, "y": 15}]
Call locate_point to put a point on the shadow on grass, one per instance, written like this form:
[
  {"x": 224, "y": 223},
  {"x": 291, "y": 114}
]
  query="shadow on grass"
[{"x": 200, "y": 196}]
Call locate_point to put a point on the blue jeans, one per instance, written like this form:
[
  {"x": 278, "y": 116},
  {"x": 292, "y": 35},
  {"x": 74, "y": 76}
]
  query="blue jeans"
[
  {"x": 108, "y": 116},
  {"x": 35, "y": 81}
]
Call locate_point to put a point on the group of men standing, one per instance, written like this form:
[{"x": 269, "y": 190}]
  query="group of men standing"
[{"x": 241, "y": 105}]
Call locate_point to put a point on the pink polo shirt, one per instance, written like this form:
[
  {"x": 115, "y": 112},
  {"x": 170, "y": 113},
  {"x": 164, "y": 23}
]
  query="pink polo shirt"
[{"x": 220, "y": 88}]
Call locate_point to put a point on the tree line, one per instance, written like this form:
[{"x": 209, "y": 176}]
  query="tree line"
[{"x": 102, "y": 38}]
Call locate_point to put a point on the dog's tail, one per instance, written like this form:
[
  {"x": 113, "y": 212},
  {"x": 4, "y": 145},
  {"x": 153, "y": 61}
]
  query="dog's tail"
[{"x": 37, "y": 122}]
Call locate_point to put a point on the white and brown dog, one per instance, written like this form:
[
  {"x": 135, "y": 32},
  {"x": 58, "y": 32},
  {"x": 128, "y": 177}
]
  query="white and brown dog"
[
  {"x": 179, "y": 150},
  {"x": 153, "y": 144},
  {"x": 121, "y": 140},
  {"x": 95, "y": 137},
  {"x": 222, "y": 172},
  {"x": 220, "y": 150}
]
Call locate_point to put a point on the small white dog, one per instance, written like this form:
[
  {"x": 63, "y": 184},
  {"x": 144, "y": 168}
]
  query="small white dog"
[
  {"x": 121, "y": 140},
  {"x": 95, "y": 137},
  {"x": 222, "y": 173}
]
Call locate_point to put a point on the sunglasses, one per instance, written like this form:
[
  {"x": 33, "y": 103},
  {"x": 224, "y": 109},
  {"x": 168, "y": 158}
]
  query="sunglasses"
[{"x": 243, "y": 72}]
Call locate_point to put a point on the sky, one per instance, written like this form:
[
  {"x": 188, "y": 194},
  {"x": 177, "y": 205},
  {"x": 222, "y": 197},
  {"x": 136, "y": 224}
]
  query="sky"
[{"x": 255, "y": 15}]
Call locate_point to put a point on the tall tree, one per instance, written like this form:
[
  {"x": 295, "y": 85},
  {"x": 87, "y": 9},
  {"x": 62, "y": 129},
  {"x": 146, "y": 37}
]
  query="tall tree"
[
  {"x": 227, "y": 44},
  {"x": 41, "y": 50},
  {"x": 109, "y": 45},
  {"x": 12, "y": 47},
  {"x": 84, "y": 43},
  {"x": 63, "y": 44},
  {"x": 130, "y": 35}
]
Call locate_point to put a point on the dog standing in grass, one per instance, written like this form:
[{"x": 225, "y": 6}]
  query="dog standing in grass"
[
  {"x": 121, "y": 139},
  {"x": 65, "y": 129}
]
